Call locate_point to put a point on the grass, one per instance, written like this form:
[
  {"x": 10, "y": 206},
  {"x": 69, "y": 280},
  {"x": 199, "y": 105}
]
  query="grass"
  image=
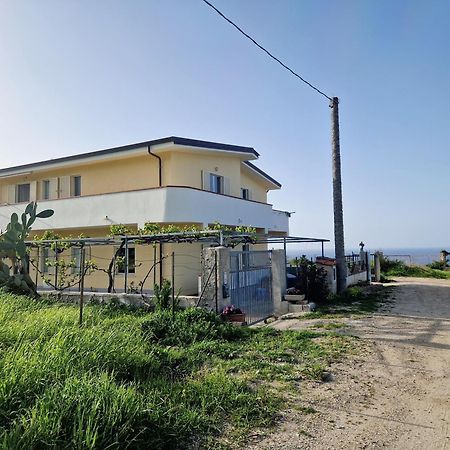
[
  {"x": 131, "y": 379},
  {"x": 396, "y": 268},
  {"x": 355, "y": 300}
]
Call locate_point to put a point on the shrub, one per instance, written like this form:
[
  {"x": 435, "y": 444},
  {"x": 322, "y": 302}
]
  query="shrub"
[
  {"x": 162, "y": 296},
  {"x": 187, "y": 327},
  {"x": 312, "y": 280},
  {"x": 388, "y": 265},
  {"x": 438, "y": 265}
]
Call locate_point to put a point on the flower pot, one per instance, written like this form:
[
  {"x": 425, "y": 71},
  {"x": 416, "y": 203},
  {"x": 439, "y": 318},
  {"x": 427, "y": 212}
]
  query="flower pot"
[
  {"x": 294, "y": 298},
  {"x": 234, "y": 317}
]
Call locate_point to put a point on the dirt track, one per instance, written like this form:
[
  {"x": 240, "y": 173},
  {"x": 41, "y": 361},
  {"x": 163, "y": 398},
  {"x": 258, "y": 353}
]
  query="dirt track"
[{"x": 396, "y": 395}]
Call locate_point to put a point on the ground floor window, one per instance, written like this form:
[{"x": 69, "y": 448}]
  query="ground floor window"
[{"x": 121, "y": 260}]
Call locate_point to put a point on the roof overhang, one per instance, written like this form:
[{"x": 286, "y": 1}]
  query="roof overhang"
[
  {"x": 271, "y": 182},
  {"x": 131, "y": 150}
]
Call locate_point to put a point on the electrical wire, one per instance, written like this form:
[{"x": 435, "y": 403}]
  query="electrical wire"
[{"x": 266, "y": 51}]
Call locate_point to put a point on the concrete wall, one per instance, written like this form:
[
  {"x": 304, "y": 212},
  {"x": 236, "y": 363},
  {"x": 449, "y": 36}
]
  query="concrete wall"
[{"x": 162, "y": 205}]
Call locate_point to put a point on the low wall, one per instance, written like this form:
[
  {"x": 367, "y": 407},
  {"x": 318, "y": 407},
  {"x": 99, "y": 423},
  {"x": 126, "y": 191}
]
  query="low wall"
[
  {"x": 351, "y": 280},
  {"x": 123, "y": 299},
  {"x": 356, "y": 278}
]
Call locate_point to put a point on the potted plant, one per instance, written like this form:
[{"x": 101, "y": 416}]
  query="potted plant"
[
  {"x": 294, "y": 295},
  {"x": 232, "y": 314}
]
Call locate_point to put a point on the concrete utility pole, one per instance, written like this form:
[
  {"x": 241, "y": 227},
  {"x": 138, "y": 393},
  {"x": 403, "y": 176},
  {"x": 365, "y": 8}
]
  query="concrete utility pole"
[{"x": 341, "y": 270}]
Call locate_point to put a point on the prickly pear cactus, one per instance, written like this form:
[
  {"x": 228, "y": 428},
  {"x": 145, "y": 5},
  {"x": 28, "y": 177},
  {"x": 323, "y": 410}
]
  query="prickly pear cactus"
[{"x": 16, "y": 278}]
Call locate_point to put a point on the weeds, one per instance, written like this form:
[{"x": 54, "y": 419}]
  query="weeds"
[
  {"x": 396, "y": 268},
  {"x": 130, "y": 379}
]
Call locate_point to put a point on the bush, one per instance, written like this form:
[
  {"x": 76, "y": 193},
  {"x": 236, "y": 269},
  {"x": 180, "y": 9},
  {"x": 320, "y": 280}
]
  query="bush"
[
  {"x": 388, "y": 265},
  {"x": 163, "y": 296},
  {"x": 187, "y": 327},
  {"x": 312, "y": 280},
  {"x": 438, "y": 265}
]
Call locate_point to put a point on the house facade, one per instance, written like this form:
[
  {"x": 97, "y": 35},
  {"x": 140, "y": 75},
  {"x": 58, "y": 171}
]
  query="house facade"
[{"x": 166, "y": 181}]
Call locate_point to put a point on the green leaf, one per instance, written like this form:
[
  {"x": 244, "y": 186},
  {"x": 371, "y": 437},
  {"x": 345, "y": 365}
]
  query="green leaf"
[
  {"x": 14, "y": 218},
  {"x": 29, "y": 208},
  {"x": 10, "y": 235},
  {"x": 5, "y": 269},
  {"x": 21, "y": 249},
  {"x": 4, "y": 245},
  {"x": 46, "y": 213},
  {"x": 24, "y": 220},
  {"x": 30, "y": 221}
]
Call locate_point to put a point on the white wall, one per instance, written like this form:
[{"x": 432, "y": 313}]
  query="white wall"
[{"x": 166, "y": 205}]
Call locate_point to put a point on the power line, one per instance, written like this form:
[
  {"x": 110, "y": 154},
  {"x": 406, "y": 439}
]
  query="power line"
[{"x": 267, "y": 51}]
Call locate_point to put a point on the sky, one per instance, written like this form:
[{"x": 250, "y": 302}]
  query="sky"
[{"x": 79, "y": 76}]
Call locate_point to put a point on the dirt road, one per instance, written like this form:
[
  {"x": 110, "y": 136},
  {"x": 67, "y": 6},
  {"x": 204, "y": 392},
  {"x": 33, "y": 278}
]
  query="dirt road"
[{"x": 396, "y": 395}]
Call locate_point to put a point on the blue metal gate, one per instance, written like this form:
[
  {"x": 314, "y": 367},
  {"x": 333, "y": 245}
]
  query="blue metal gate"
[{"x": 251, "y": 283}]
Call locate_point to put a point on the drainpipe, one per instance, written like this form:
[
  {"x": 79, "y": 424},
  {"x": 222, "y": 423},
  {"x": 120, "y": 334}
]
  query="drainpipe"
[{"x": 149, "y": 149}]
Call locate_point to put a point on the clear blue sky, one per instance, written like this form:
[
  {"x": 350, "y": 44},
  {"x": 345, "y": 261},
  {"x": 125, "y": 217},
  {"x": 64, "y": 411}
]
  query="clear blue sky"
[{"x": 79, "y": 76}]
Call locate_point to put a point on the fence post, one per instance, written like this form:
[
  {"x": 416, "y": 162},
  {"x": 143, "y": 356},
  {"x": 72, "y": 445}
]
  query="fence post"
[
  {"x": 369, "y": 278},
  {"x": 279, "y": 282},
  {"x": 125, "y": 278},
  {"x": 212, "y": 289},
  {"x": 377, "y": 265},
  {"x": 82, "y": 284},
  {"x": 173, "y": 285},
  {"x": 56, "y": 265}
]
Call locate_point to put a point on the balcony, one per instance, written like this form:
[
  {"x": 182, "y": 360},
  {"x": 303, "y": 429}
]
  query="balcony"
[{"x": 164, "y": 205}]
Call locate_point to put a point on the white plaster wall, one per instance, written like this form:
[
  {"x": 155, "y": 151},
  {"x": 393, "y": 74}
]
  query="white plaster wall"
[{"x": 166, "y": 205}]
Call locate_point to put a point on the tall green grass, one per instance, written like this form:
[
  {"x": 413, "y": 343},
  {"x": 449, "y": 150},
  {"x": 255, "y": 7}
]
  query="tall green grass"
[
  {"x": 129, "y": 379},
  {"x": 396, "y": 268}
]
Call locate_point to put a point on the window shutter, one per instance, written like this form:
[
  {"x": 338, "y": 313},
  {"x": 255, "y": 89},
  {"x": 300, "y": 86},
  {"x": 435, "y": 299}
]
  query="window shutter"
[
  {"x": 12, "y": 193},
  {"x": 64, "y": 187},
  {"x": 226, "y": 186},
  {"x": 33, "y": 191},
  {"x": 206, "y": 186},
  {"x": 53, "y": 188},
  {"x": 250, "y": 194}
]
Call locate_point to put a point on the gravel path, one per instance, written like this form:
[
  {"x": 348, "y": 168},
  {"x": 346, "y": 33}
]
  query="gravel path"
[{"x": 395, "y": 395}]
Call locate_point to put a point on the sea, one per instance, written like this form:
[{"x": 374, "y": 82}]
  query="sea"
[{"x": 410, "y": 255}]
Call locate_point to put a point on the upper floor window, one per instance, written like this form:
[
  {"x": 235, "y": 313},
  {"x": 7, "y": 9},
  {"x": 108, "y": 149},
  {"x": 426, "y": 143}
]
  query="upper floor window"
[
  {"x": 75, "y": 186},
  {"x": 245, "y": 193},
  {"x": 45, "y": 189},
  {"x": 23, "y": 192},
  {"x": 216, "y": 183}
]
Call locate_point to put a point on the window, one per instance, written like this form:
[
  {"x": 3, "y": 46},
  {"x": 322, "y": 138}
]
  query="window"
[
  {"x": 45, "y": 189},
  {"x": 216, "y": 183},
  {"x": 245, "y": 193},
  {"x": 121, "y": 260},
  {"x": 76, "y": 186},
  {"x": 23, "y": 193},
  {"x": 76, "y": 257},
  {"x": 246, "y": 255},
  {"x": 45, "y": 252}
]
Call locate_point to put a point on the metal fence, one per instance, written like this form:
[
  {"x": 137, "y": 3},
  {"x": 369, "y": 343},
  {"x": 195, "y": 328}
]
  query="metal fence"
[
  {"x": 251, "y": 283},
  {"x": 355, "y": 264}
]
